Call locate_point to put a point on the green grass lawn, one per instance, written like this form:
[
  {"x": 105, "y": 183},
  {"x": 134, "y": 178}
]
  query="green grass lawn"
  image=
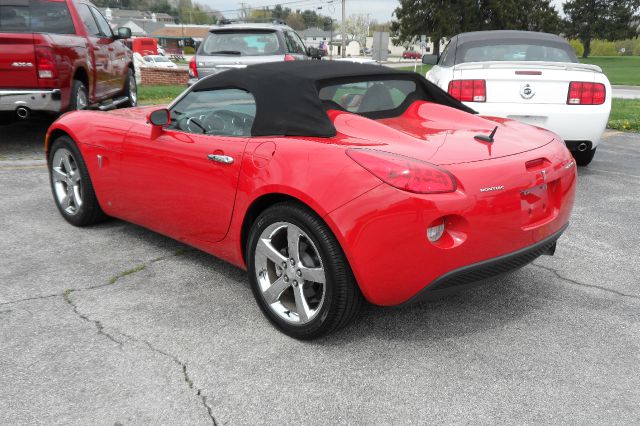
[
  {"x": 624, "y": 70},
  {"x": 420, "y": 69},
  {"x": 152, "y": 95},
  {"x": 625, "y": 115},
  {"x": 619, "y": 69}
]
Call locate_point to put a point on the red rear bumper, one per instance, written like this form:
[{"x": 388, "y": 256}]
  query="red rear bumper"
[{"x": 383, "y": 232}]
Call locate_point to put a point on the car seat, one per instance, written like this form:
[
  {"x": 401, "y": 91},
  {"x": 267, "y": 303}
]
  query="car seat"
[{"x": 377, "y": 98}]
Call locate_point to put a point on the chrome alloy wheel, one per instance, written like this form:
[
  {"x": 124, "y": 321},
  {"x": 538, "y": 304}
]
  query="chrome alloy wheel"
[
  {"x": 290, "y": 273},
  {"x": 67, "y": 182},
  {"x": 82, "y": 100},
  {"x": 133, "y": 90}
]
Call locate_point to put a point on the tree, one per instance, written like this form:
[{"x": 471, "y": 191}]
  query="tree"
[
  {"x": 604, "y": 19},
  {"x": 442, "y": 18},
  {"x": 357, "y": 28},
  {"x": 435, "y": 18},
  {"x": 528, "y": 15},
  {"x": 295, "y": 21}
]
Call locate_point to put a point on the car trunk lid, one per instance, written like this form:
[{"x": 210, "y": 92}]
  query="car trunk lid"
[
  {"x": 442, "y": 135},
  {"x": 525, "y": 81}
]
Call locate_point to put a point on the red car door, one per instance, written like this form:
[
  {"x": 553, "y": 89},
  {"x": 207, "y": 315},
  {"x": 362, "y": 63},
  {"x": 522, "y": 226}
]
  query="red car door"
[
  {"x": 170, "y": 184},
  {"x": 99, "y": 53}
]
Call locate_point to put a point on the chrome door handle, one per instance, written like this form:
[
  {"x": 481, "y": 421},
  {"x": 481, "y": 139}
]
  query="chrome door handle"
[{"x": 218, "y": 158}]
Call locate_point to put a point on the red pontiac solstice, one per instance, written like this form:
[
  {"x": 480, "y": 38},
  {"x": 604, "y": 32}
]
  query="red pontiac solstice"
[{"x": 329, "y": 182}]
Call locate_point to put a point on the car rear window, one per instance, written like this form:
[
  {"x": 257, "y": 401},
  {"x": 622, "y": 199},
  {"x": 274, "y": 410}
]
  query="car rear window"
[
  {"x": 241, "y": 43},
  {"x": 37, "y": 16},
  {"x": 514, "y": 51},
  {"x": 368, "y": 96}
]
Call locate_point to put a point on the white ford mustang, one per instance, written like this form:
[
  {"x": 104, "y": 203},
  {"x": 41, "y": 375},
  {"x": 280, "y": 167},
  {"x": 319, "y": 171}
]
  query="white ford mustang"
[{"x": 527, "y": 76}]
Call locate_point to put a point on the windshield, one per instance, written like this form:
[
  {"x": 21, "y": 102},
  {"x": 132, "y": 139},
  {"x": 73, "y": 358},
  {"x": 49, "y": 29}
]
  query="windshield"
[
  {"x": 495, "y": 50},
  {"x": 160, "y": 59},
  {"x": 368, "y": 96},
  {"x": 224, "y": 112},
  {"x": 241, "y": 43}
]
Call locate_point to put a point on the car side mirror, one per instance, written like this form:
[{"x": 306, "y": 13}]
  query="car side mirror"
[
  {"x": 123, "y": 33},
  {"x": 430, "y": 59},
  {"x": 158, "y": 119}
]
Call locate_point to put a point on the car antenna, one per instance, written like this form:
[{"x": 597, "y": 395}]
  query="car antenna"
[{"x": 485, "y": 138}]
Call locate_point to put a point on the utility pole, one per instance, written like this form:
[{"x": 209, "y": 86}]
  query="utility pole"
[{"x": 344, "y": 31}]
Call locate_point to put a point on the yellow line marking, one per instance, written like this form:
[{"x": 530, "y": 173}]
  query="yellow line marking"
[{"x": 22, "y": 167}]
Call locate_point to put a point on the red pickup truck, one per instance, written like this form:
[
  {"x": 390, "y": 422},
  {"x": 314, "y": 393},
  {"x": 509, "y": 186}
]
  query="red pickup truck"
[{"x": 61, "y": 55}]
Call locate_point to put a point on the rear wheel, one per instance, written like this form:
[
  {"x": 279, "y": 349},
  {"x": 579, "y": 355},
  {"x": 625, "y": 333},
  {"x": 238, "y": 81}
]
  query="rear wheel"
[
  {"x": 299, "y": 274},
  {"x": 583, "y": 158},
  {"x": 71, "y": 185},
  {"x": 131, "y": 90},
  {"x": 79, "y": 96}
]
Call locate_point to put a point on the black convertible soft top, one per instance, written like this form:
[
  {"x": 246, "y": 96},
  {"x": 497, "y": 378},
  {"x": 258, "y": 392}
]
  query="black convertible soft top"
[{"x": 286, "y": 93}]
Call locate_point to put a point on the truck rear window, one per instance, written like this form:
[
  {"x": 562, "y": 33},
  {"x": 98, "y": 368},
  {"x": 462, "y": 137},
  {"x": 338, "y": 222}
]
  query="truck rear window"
[
  {"x": 241, "y": 43},
  {"x": 35, "y": 16}
]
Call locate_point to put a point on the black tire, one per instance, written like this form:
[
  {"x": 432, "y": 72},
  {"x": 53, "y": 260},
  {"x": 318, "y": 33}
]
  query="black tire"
[
  {"x": 89, "y": 212},
  {"x": 342, "y": 298},
  {"x": 78, "y": 92},
  {"x": 583, "y": 158},
  {"x": 7, "y": 118},
  {"x": 130, "y": 90}
]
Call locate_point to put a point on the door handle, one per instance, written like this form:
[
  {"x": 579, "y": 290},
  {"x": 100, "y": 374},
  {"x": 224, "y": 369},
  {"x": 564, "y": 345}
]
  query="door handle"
[{"x": 218, "y": 158}]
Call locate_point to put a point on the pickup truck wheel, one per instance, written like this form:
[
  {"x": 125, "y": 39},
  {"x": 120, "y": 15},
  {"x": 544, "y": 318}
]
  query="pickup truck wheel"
[
  {"x": 79, "y": 96},
  {"x": 131, "y": 90}
]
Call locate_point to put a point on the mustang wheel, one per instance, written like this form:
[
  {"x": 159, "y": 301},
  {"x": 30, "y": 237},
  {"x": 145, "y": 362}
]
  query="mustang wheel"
[
  {"x": 71, "y": 185},
  {"x": 299, "y": 274}
]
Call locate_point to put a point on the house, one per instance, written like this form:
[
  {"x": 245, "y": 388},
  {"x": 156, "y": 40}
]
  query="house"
[
  {"x": 314, "y": 36},
  {"x": 174, "y": 38}
]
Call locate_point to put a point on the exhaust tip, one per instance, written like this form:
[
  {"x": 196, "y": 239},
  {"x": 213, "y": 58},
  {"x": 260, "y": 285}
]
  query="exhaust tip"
[
  {"x": 582, "y": 147},
  {"x": 23, "y": 113}
]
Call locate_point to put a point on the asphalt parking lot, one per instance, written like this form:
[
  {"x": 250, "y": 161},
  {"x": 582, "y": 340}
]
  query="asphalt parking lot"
[{"x": 115, "y": 324}]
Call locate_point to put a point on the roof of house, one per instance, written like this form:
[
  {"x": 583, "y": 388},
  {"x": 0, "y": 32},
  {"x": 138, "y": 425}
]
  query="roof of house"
[
  {"x": 182, "y": 31},
  {"x": 314, "y": 32}
]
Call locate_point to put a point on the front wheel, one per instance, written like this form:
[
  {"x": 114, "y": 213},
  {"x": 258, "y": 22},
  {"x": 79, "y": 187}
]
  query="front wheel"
[
  {"x": 583, "y": 158},
  {"x": 71, "y": 184},
  {"x": 299, "y": 274}
]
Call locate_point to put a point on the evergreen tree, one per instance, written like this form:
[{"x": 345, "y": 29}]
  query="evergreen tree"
[{"x": 601, "y": 19}]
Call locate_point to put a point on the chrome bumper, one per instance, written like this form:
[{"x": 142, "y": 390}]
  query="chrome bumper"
[{"x": 34, "y": 100}]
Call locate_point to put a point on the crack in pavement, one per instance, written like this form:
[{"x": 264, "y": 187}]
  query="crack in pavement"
[
  {"x": 597, "y": 287},
  {"x": 66, "y": 295},
  {"x": 99, "y": 326},
  {"x": 185, "y": 373},
  {"x": 111, "y": 281}
]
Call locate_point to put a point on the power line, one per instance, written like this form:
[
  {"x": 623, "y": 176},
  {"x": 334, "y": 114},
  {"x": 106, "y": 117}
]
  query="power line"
[{"x": 278, "y": 4}]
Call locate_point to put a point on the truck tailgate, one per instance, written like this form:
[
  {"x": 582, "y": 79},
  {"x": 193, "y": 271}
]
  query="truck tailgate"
[{"x": 17, "y": 61}]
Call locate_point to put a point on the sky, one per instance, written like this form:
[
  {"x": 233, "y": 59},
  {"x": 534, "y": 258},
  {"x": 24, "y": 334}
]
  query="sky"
[{"x": 380, "y": 10}]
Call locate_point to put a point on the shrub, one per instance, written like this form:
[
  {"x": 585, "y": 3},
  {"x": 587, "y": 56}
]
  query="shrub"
[
  {"x": 188, "y": 50},
  {"x": 577, "y": 46},
  {"x": 603, "y": 48},
  {"x": 627, "y": 45}
]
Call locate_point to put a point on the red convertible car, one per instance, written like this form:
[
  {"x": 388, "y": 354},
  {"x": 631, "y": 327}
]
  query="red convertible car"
[{"x": 330, "y": 182}]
